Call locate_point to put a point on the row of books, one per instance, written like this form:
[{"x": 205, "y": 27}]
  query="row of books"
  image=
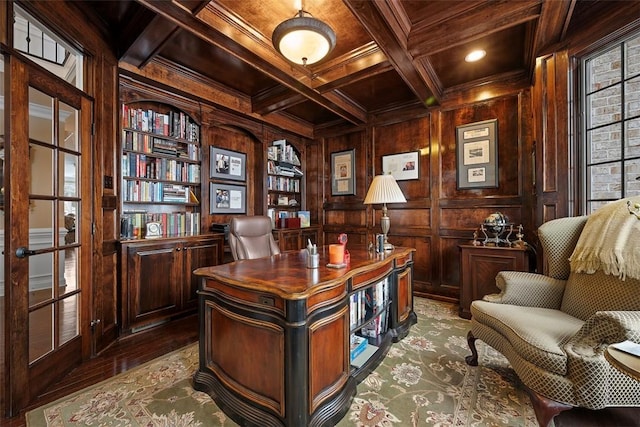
[
  {"x": 281, "y": 151},
  {"x": 276, "y": 215},
  {"x": 133, "y": 224},
  {"x": 367, "y": 303},
  {"x": 146, "y": 191},
  {"x": 145, "y": 143},
  {"x": 173, "y": 124},
  {"x": 283, "y": 169},
  {"x": 282, "y": 183},
  {"x": 141, "y": 166}
]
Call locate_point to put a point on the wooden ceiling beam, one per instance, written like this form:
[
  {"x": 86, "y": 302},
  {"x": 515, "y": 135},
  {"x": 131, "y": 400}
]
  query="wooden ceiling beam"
[
  {"x": 366, "y": 61},
  {"x": 475, "y": 23},
  {"x": 552, "y": 25},
  {"x": 149, "y": 41},
  {"x": 223, "y": 30},
  {"x": 275, "y": 99},
  {"x": 385, "y": 27}
]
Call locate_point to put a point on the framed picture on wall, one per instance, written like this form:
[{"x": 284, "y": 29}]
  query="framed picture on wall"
[
  {"x": 343, "y": 177},
  {"x": 477, "y": 155},
  {"x": 226, "y": 198},
  {"x": 227, "y": 164},
  {"x": 402, "y": 166}
]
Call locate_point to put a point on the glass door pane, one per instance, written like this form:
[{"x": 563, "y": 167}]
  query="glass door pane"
[{"x": 54, "y": 205}]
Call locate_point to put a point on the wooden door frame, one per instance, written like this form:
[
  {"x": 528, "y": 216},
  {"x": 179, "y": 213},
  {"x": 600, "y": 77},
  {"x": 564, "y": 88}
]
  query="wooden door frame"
[{"x": 22, "y": 381}]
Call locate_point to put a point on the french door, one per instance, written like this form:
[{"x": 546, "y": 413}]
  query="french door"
[{"x": 48, "y": 217}]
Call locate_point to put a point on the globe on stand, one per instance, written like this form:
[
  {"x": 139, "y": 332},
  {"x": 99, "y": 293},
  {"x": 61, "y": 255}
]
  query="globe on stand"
[{"x": 493, "y": 227}]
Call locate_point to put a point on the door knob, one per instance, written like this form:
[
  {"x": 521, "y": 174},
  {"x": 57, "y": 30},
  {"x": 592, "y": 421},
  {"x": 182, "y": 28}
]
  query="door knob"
[{"x": 24, "y": 252}]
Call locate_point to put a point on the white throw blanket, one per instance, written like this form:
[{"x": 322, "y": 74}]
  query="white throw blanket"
[{"x": 610, "y": 242}]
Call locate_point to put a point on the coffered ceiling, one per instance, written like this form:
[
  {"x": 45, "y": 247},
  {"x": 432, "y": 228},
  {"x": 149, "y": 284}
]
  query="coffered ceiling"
[{"x": 389, "y": 55}]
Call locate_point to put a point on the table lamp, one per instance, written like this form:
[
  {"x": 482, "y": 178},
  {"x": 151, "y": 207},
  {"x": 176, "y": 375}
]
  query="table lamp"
[{"x": 384, "y": 189}]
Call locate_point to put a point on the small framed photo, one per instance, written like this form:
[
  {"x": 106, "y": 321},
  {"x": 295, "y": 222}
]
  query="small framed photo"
[
  {"x": 477, "y": 155},
  {"x": 228, "y": 198},
  {"x": 343, "y": 177},
  {"x": 227, "y": 164},
  {"x": 402, "y": 166}
]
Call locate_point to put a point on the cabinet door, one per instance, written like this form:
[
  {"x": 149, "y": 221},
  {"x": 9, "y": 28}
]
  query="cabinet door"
[
  {"x": 198, "y": 254},
  {"x": 309, "y": 234},
  {"x": 289, "y": 240},
  {"x": 405, "y": 294},
  {"x": 480, "y": 266},
  {"x": 153, "y": 282}
]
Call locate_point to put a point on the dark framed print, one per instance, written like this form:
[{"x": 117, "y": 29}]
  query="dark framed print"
[
  {"x": 477, "y": 154},
  {"x": 343, "y": 178},
  {"x": 227, "y": 164},
  {"x": 228, "y": 198},
  {"x": 402, "y": 166}
]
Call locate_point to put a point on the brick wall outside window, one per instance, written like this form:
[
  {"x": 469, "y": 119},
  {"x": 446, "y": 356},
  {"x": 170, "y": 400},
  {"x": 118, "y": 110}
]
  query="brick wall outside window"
[{"x": 611, "y": 102}]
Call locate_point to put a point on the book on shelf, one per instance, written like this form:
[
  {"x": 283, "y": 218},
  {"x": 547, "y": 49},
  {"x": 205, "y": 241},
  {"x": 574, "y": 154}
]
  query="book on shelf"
[
  {"x": 358, "y": 345},
  {"x": 192, "y": 197},
  {"x": 305, "y": 218},
  {"x": 133, "y": 223},
  {"x": 365, "y": 355}
]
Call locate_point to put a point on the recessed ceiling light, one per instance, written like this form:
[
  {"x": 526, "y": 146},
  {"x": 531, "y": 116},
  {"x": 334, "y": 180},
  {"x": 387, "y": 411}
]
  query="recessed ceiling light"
[{"x": 475, "y": 55}]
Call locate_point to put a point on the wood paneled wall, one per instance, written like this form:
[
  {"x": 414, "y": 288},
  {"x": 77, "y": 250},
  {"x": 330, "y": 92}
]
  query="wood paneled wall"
[{"x": 437, "y": 216}]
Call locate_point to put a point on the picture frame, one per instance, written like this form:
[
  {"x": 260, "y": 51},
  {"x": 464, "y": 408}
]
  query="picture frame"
[
  {"x": 477, "y": 155},
  {"x": 225, "y": 198},
  {"x": 343, "y": 176},
  {"x": 403, "y": 166},
  {"x": 227, "y": 164}
]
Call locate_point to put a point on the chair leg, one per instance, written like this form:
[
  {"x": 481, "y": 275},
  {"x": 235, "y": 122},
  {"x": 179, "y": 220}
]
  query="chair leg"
[
  {"x": 472, "y": 359},
  {"x": 545, "y": 408}
]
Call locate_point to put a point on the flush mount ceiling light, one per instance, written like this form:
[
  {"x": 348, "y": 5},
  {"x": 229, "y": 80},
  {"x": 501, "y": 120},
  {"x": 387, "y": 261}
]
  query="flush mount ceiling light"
[
  {"x": 303, "y": 39},
  {"x": 475, "y": 55}
]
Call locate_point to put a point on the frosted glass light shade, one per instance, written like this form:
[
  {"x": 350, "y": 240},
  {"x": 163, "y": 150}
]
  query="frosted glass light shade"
[
  {"x": 384, "y": 189},
  {"x": 303, "y": 39}
]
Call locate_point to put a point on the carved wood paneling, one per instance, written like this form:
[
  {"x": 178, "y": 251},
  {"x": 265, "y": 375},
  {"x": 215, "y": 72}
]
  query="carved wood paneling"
[
  {"x": 328, "y": 370},
  {"x": 242, "y": 365}
]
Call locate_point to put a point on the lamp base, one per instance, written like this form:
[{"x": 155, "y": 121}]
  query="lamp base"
[{"x": 388, "y": 247}]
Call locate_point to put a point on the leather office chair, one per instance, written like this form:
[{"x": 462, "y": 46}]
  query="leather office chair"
[{"x": 250, "y": 237}]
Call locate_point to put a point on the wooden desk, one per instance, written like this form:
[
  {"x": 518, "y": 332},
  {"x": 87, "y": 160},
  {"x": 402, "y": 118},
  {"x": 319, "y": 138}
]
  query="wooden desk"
[
  {"x": 275, "y": 335},
  {"x": 626, "y": 363}
]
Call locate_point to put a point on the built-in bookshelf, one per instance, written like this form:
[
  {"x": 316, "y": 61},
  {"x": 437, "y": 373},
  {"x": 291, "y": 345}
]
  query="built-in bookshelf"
[
  {"x": 284, "y": 183},
  {"x": 161, "y": 172},
  {"x": 369, "y": 320}
]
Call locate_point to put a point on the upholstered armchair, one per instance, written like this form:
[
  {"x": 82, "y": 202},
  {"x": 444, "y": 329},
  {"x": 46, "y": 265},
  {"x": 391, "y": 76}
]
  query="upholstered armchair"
[
  {"x": 251, "y": 237},
  {"x": 554, "y": 328}
]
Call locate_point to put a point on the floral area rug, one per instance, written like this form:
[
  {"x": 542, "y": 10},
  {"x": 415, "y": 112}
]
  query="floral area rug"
[{"x": 423, "y": 381}]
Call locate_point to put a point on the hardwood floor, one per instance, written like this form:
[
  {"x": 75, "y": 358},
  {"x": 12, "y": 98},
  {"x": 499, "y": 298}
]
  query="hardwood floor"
[
  {"x": 123, "y": 355},
  {"x": 145, "y": 346}
]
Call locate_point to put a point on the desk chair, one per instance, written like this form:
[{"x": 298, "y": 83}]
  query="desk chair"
[{"x": 250, "y": 237}]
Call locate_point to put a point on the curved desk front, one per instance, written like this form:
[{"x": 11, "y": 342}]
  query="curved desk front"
[{"x": 275, "y": 336}]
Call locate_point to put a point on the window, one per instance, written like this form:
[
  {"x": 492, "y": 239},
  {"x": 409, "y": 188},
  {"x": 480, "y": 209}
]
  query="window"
[
  {"x": 611, "y": 105},
  {"x": 45, "y": 48}
]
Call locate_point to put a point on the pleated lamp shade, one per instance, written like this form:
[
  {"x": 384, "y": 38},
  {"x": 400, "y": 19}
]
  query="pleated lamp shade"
[{"x": 384, "y": 189}]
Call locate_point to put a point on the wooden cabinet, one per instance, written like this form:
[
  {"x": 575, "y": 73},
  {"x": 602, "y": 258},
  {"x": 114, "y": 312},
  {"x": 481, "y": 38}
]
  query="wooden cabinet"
[
  {"x": 157, "y": 280},
  {"x": 479, "y": 267},
  {"x": 296, "y": 238}
]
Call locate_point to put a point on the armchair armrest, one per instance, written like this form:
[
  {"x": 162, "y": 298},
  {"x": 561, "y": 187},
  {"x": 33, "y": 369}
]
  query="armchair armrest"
[
  {"x": 586, "y": 365},
  {"x": 528, "y": 290},
  {"x": 602, "y": 329}
]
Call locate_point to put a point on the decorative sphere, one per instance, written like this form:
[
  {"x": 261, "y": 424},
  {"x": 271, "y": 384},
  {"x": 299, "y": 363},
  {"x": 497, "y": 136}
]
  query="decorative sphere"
[{"x": 496, "y": 223}]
